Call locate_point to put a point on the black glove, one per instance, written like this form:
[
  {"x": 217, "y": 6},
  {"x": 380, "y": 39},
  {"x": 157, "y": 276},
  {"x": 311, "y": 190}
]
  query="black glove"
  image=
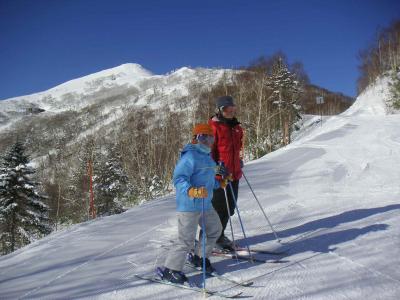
[
  {"x": 241, "y": 164},
  {"x": 221, "y": 171}
]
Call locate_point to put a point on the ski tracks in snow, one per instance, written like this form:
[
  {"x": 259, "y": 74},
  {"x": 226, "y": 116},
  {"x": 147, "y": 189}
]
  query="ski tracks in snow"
[{"x": 90, "y": 260}]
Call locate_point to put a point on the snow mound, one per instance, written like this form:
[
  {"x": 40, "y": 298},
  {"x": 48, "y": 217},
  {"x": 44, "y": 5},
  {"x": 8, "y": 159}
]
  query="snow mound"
[{"x": 372, "y": 100}]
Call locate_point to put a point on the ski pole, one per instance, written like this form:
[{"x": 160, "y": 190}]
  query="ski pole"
[
  {"x": 221, "y": 163},
  {"x": 230, "y": 223},
  {"x": 240, "y": 221},
  {"x": 203, "y": 238},
  {"x": 262, "y": 209}
]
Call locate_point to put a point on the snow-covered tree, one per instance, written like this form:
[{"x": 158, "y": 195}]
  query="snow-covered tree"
[
  {"x": 155, "y": 186},
  {"x": 111, "y": 185},
  {"x": 285, "y": 93},
  {"x": 23, "y": 214}
]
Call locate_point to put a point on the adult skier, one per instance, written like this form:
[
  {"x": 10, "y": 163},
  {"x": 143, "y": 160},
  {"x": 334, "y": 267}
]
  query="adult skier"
[
  {"x": 227, "y": 148},
  {"x": 194, "y": 179}
]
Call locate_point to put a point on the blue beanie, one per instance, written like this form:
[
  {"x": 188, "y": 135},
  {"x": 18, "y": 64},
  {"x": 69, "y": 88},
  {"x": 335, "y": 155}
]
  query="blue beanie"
[{"x": 225, "y": 101}]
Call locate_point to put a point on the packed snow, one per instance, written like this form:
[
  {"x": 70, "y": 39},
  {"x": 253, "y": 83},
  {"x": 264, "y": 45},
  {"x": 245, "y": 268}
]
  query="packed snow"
[{"x": 332, "y": 197}]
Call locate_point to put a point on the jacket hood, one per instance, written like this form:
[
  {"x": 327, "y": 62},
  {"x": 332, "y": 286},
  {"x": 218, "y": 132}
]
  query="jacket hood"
[{"x": 194, "y": 147}]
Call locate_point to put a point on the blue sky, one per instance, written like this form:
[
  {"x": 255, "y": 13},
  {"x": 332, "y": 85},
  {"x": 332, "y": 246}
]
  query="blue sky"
[{"x": 45, "y": 43}]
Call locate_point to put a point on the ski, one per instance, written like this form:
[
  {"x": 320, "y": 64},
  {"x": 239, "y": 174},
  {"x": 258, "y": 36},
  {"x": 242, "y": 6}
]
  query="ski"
[
  {"x": 187, "y": 287},
  {"x": 223, "y": 277},
  {"x": 231, "y": 280},
  {"x": 248, "y": 258},
  {"x": 261, "y": 251},
  {"x": 252, "y": 251}
]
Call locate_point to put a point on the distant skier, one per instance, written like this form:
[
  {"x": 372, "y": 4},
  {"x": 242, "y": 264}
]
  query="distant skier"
[
  {"x": 227, "y": 148},
  {"x": 194, "y": 179}
]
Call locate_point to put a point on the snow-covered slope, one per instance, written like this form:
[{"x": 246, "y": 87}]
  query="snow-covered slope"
[
  {"x": 332, "y": 195},
  {"x": 372, "y": 100}
]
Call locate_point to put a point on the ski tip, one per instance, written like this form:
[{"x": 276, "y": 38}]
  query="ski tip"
[
  {"x": 248, "y": 283},
  {"x": 237, "y": 295},
  {"x": 277, "y": 246}
]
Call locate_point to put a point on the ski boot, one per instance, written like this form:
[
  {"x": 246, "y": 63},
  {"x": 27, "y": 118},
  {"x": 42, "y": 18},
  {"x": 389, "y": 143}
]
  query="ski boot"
[
  {"x": 197, "y": 262},
  {"x": 225, "y": 244},
  {"x": 172, "y": 275}
]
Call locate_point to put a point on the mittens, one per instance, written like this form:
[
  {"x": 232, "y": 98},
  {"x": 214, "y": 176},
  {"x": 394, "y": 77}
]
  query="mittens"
[{"x": 198, "y": 192}]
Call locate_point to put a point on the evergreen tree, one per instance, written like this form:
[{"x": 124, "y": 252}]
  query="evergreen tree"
[
  {"x": 23, "y": 215},
  {"x": 111, "y": 185},
  {"x": 285, "y": 93}
]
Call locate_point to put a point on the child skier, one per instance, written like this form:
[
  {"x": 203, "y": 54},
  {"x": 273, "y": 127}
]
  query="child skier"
[{"x": 194, "y": 179}]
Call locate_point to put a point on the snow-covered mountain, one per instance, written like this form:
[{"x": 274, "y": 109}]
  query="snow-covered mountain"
[
  {"x": 332, "y": 196},
  {"x": 130, "y": 84},
  {"x": 124, "y": 76}
]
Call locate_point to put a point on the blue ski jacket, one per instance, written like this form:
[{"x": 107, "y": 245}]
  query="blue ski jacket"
[{"x": 195, "y": 168}]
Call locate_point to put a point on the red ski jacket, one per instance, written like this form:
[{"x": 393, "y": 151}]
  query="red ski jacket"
[{"x": 227, "y": 145}]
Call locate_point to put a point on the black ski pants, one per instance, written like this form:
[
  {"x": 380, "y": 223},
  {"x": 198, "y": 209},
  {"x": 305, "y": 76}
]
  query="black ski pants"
[{"x": 219, "y": 203}]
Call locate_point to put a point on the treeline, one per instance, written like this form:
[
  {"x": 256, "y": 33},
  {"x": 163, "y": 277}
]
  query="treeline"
[
  {"x": 334, "y": 103},
  {"x": 381, "y": 56}
]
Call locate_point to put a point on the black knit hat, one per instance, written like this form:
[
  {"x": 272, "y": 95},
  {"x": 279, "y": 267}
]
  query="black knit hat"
[{"x": 224, "y": 101}]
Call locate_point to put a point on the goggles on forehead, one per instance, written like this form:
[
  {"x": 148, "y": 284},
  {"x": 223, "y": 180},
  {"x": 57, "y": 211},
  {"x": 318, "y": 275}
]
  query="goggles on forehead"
[
  {"x": 205, "y": 138},
  {"x": 230, "y": 108}
]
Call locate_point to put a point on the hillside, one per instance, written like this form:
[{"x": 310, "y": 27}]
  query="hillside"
[
  {"x": 333, "y": 102},
  {"x": 332, "y": 195}
]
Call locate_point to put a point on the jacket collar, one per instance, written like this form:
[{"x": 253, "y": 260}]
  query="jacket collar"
[{"x": 231, "y": 122}]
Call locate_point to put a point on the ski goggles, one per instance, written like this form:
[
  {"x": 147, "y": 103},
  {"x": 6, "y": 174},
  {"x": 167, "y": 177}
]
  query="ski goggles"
[{"x": 205, "y": 139}]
